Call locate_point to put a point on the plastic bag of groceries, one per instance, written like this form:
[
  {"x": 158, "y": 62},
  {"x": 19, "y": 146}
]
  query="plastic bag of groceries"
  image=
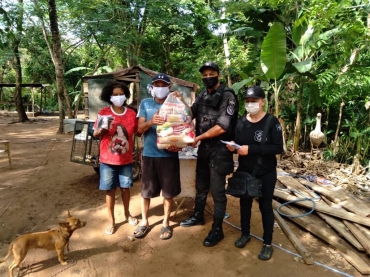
[{"x": 178, "y": 129}]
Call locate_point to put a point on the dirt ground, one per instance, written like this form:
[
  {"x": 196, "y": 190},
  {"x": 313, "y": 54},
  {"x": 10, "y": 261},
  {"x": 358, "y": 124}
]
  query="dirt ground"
[{"x": 43, "y": 184}]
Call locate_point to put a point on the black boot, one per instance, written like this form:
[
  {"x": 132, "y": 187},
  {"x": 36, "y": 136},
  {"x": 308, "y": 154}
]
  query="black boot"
[
  {"x": 216, "y": 234},
  {"x": 196, "y": 219}
]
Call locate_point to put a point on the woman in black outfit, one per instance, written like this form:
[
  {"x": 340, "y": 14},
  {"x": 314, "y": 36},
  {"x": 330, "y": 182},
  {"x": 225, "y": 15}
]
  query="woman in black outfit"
[{"x": 249, "y": 131}]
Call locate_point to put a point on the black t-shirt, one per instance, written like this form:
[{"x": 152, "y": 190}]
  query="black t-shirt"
[{"x": 248, "y": 133}]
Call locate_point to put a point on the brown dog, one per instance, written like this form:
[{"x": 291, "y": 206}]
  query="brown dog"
[{"x": 49, "y": 240}]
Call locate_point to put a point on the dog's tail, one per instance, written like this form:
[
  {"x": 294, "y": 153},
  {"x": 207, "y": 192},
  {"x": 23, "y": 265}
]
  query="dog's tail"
[{"x": 9, "y": 253}]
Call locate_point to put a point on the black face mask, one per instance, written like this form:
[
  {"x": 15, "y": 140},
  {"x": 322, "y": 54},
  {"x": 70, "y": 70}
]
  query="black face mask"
[{"x": 210, "y": 82}]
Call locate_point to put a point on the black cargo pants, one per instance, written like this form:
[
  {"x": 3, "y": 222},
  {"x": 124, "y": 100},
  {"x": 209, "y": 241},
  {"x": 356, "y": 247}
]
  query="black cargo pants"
[{"x": 214, "y": 162}]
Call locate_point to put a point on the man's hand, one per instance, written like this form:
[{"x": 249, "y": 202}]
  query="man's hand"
[
  {"x": 173, "y": 148},
  {"x": 178, "y": 95},
  {"x": 157, "y": 119},
  {"x": 196, "y": 142}
]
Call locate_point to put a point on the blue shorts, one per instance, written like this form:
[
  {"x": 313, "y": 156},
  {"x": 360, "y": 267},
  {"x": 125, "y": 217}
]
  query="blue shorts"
[{"x": 113, "y": 176}]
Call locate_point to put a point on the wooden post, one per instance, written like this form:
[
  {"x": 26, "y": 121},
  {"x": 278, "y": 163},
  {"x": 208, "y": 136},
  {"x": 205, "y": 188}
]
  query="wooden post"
[{"x": 137, "y": 84}]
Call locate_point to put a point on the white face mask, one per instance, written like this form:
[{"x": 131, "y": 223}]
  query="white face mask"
[
  {"x": 118, "y": 100},
  {"x": 252, "y": 107},
  {"x": 161, "y": 92}
]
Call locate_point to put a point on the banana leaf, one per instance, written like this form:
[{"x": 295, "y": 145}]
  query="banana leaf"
[{"x": 273, "y": 52}]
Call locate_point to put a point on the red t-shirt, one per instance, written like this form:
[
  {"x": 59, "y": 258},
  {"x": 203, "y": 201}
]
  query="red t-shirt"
[{"x": 116, "y": 146}]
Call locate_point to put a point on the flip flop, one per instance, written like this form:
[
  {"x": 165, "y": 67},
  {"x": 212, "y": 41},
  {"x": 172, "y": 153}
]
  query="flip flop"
[
  {"x": 166, "y": 233},
  {"x": 133, "y": 221},
  {"x": 110, "y": 230},
  {"x": 141, "y": 231}
]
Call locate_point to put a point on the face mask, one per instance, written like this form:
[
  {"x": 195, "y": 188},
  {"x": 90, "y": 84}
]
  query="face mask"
[
  {"x": 210, "y": 82},
  {"x": 118, "y": 100},
  {"x": 252, "y": 107},
  {"x": 160, "y": 92}
]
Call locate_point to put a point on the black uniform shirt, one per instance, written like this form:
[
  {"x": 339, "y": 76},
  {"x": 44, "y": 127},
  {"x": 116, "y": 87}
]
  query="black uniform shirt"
[
  {"x": 248, "y": 133},
  {"x": 207, "y": 114}
]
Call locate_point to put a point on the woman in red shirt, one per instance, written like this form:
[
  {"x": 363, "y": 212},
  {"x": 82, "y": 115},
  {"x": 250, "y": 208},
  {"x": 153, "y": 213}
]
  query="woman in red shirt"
[{"x": 115, "y": 126}]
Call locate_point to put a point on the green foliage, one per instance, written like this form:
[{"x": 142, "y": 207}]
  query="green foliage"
[
  {"x": 317, "y": 47},
  {"x": 273, "y": 52}
]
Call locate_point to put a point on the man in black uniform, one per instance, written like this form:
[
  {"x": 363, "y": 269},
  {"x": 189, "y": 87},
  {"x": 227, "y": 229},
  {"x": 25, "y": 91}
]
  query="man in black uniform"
[{"x": 215, "y": 111}]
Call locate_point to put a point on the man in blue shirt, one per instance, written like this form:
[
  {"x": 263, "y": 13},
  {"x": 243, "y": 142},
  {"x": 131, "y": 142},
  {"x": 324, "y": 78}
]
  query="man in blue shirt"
[{"x": 161, "y": 167}]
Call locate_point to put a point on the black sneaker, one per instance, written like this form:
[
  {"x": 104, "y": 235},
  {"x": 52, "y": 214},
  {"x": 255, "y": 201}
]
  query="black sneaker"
[
  {"x": 265, "y": 253},
  {"x": 242, "y": 241}
]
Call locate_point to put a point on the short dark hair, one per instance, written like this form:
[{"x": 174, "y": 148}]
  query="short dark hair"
[{"x": 107, "y": 91}]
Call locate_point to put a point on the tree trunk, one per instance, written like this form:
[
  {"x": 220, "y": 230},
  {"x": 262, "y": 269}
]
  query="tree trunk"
[
  {"x": 297, "y": 130},
  {"x": 68, "y": 102},
  {"x": 22, "y": 116},
  {"x": 336, "y": 145},
  {"x": 226, "y": 45},
  {"x": 58, "y": 62}
]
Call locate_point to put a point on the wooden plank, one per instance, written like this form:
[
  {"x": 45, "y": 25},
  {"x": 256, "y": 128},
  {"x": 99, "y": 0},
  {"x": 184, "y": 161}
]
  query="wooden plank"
[
  {"x": 359, "y": 263},
  {"x": 314, "y": 225},
  {"x": 359, "y": 235},
  {"x": 334, "y": 196},
  {"x": 317, "y": 227},
  {"x": 293, "y": 184},
  {"x": 321, "y": 207},
  {"x": 127, "y": 79},
  {"x": 364, "y": 230},
  {"x": 356, "y": 207},
  {"x": 339, "y": 197},
  {"x": 339, "y": 226},
  {"x": 306, "y": 256}
]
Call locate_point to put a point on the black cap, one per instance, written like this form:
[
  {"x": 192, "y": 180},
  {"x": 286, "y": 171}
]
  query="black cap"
[
  {"x": 212, "y": 65},
  {"x": 254, "y": 92},
  {"x": 161, "y": 77}
]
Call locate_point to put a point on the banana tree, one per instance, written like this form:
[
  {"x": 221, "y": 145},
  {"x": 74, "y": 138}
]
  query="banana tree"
[
  {"x": 302, "y": 38},
  {"x": 273, "y": 61},
  {"x": 273, "y": 58}
]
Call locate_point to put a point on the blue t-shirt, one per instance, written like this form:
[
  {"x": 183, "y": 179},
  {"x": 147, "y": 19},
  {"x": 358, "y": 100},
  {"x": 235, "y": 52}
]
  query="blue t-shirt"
[{"x": 148, "y": 107}]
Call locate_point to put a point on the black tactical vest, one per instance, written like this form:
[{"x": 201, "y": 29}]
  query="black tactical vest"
[{"x": 207, "y": 113}]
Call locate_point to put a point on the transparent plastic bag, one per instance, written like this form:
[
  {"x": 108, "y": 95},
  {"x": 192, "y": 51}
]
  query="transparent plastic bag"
[{"x": 178, "y": 130}]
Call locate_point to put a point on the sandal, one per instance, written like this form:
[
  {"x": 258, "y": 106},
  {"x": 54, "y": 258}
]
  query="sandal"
[
  {"x": 133, "y": 221},
  {"x": 110, "y": 230},
  {"x": 141, "y": 231},
  {"x": 166, "y": 233}
]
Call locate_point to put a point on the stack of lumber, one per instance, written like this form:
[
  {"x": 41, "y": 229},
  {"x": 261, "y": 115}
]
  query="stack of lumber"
[{"x": 338, "y": 219}]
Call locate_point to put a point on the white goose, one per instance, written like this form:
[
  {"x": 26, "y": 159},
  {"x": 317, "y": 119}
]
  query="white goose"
[{"x": 316, "y": 136}]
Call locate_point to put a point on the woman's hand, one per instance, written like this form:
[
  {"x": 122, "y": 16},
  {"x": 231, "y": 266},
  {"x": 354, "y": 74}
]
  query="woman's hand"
[
  {"x": 232, "y": 149},
  {"x": 101, "y": 132},
  {"x": 243, "y": 151}
]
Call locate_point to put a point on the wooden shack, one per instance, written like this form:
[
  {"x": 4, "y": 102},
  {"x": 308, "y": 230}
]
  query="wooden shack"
[{"x": 138, "y": 78}]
